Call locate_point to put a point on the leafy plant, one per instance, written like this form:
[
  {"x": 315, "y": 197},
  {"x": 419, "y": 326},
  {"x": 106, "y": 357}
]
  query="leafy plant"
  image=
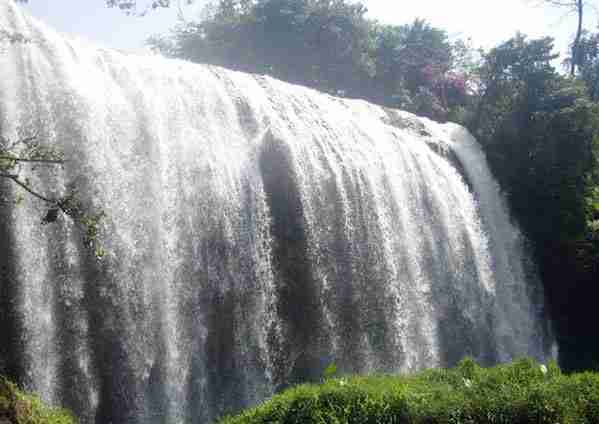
[
  {"x": 18, "y": 407},
  {"x": 22, "y": 158},
  {"x": 521, "y": 392},
  {"x": 330, "y": 371}
]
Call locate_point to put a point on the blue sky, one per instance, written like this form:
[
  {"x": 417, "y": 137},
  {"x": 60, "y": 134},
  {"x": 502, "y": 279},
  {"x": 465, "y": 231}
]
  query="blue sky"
[{"x": 487, "y": 22}]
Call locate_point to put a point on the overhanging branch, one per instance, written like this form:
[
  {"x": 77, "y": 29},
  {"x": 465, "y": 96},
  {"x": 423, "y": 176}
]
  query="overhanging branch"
[
  {"x": 15, "y": 178},
  {"x": 47, "y": 161}
]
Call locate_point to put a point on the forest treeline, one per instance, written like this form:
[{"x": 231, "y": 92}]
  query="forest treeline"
[{"x": 539, "y": 127}]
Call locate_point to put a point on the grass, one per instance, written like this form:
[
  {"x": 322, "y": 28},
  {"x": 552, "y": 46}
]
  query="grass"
[
  {"x": 517, "y": 393},
  {"x": 18, "y": 407}
]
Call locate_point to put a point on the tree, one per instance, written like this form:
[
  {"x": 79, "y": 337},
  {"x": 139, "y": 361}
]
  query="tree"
[
  {"x": 587, "y": 61},
  {"x": 540, "y": 132},
  {"x": 578, "y": 7},
  {"x": 416, "y": 69},
  {"x": 329, "y": 45},
  {"x": 324, "y": 44},
  {"x": 505, "y": 71}
]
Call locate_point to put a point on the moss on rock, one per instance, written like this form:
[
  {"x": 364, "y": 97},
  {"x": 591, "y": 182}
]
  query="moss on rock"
[{"x": 18, "y": 407}]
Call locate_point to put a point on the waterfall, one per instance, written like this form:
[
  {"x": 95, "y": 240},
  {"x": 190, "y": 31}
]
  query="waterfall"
[{"x": 256, "y": 232}]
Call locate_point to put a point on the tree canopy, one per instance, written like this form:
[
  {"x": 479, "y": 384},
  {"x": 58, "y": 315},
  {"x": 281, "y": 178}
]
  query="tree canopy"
[
  {"x": 540, "y": 131},
  {"x": 329, "y": 45}
]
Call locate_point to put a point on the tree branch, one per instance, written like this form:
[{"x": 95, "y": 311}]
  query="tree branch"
[
  {"x": 563, "y": 3},
  {"x": 16, "y": 180},
  {"x": 576, "y": 45},
  {"x": 47, "y": 161}
]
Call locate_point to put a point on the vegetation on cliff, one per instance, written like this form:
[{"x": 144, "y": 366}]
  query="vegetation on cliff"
[{"x": 18, "y": 407}]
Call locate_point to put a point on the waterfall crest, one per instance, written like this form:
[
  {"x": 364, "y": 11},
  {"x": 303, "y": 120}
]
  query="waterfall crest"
[{"x": 256, "y": 232}]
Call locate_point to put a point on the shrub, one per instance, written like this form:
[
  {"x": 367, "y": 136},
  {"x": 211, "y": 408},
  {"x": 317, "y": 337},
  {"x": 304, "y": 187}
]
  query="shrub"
[
  {"x": 17, "y": 407},
  {"x": 521, "y": 392}
]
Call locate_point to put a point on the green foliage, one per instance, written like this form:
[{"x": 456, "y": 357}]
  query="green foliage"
[
  {"x": 330, "y": 371},
  {"x": 419, "y": 70},
  {"x": 20, "y": 160},
  {"x": 587, "y": 63},
  {"x": 321, "y": 43},
  {"x": 17, "y": 407},
  {"x": 89, "y": 221},
  {"x": 521, "y": 392},
  {"x": 540, "y": 131}
]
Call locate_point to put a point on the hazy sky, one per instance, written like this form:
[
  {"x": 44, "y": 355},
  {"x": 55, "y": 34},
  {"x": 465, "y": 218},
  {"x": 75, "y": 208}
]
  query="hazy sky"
[{"x": 487, "y": 22}]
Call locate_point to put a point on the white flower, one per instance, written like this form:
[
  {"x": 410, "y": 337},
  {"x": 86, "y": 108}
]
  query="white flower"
[
  {"x": 543, "y": 369},
  {"x": 467, "y": 382}
]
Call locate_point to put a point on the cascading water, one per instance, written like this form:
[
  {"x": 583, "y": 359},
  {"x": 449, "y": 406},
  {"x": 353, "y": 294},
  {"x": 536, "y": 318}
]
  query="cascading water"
[{"x": 256, "y": 232}]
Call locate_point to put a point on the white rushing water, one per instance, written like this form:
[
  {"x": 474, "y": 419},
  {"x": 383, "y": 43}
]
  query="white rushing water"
[{"x": 256, "y": 231}]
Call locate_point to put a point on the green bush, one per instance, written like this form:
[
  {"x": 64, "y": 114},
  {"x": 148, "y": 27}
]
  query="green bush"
[
  {"x": 17, "y": 407},
  {"x": 522, "y": 392}
]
